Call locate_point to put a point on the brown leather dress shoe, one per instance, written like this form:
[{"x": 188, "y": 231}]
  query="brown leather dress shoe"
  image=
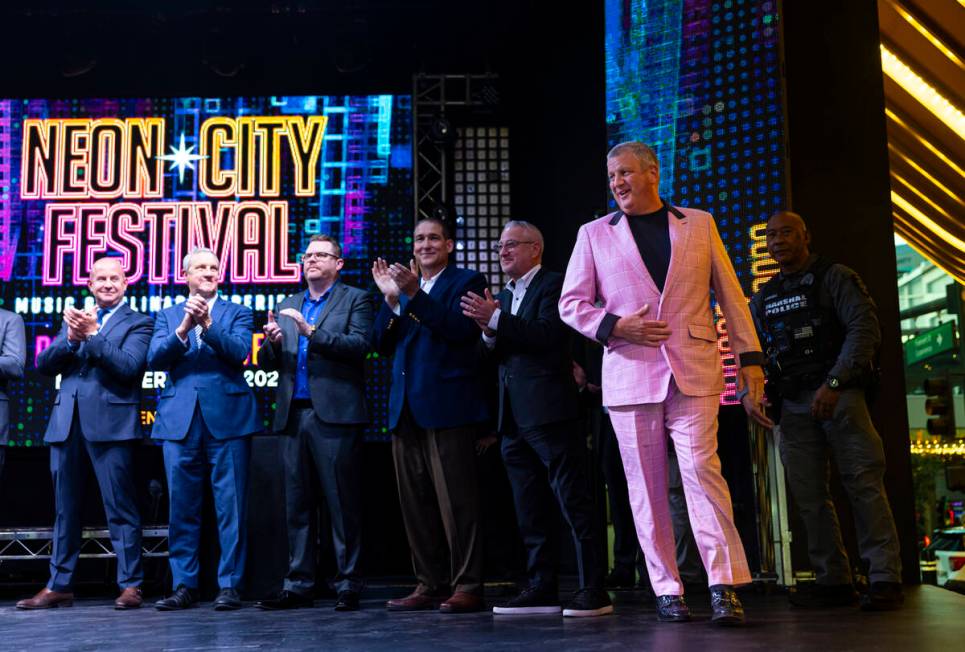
[
  {"x": 462, "y": 603},
  {"x": 130, "y": 598},
  {"x": 415, "y": 601},
  {"x": 47, "y": 599}
]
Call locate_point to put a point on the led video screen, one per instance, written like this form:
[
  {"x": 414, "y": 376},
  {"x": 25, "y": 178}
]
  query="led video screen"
[
  {"x": 148, "y": 179},
  {"x": 700, "y": 82}
]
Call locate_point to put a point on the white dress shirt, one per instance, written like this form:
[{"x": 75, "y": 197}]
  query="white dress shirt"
[{"x": 518, "y": 288}]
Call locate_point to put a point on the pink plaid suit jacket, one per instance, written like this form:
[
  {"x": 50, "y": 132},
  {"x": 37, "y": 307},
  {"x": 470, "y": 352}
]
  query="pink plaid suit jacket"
[{"x": 606, "y": 266}]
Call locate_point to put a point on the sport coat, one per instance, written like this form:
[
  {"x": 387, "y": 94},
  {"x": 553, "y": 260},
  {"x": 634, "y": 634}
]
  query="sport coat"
[
  {"x": 336, "y": 357},
  {"x": 209, "y": 373},
  {"x": 12, "y": 358},
  {"x": 102, "y": 378},
  {"x": 533, "y": 351},
  {"x": 436, "y": 366},
  {"x": 606, "y": 266}
]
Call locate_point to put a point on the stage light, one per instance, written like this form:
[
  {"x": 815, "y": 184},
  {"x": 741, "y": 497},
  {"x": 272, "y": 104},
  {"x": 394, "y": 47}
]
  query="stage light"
[
  {"x": 926, "y": 95},
  {"x": 926, "y": 221},
  {"x": 441, "y": 131},
  {"x": 920, "y": 194},
  {"x": 924, "y": 173},
  {"x": 921, "y": 29}
]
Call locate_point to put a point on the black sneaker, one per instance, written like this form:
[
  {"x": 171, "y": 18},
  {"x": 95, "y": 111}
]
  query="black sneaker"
[
  {"x": 822, "y": 596},
  {"x": 587, "y": 603},
  {"x": 530, "y": 601},
  {"x": 672, "y": 609},
  {"x": 727, "y": 607},
  {"x": 883, "y": 596}
]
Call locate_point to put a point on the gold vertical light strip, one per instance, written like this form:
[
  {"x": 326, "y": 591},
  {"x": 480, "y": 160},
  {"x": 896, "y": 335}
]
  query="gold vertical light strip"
[
  {"x": 931, "y": 38},
  {"x": 927, "y": 222},
  {"x": 924, "y": 141},
  {"x": 918, "y": 88}
]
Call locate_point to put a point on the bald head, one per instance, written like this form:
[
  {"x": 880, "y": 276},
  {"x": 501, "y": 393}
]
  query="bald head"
[
  {"x": 787, "y": 239},
  {"x": 108, "y": 282}
]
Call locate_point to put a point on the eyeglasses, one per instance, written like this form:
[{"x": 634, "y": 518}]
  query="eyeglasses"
[
  {"x": 509, "y": 245},
  {"x": 319, "y": 255}
]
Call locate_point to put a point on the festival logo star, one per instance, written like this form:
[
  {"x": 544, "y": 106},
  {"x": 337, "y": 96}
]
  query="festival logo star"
[{"x": 181, "y": 157}]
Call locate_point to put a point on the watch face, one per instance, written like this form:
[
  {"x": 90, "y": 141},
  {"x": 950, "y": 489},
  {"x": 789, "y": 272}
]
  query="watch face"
[{"x": 833, "y": 382}]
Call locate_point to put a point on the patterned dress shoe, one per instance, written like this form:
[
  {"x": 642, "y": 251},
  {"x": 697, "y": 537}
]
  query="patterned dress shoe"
[
  {"x": 347, "y": 601},
  {"x": 47, "y": 599},
  {"x": 727, "y": 607},
  {"x": 672, "y": 609},
  {"x": 130, "y": 598},
  {"x": 182, "y": 598},
  {"x": 415, "y": 601},
  {"x": 285, "y": 600},
  {"x": 227, "y": 600},
  {"x": 462, "y": 603}
]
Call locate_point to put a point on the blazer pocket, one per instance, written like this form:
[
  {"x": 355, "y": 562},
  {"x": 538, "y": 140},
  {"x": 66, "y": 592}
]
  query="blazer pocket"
[
  {"x": 702, "y": 332},
  {"x": 235, "y": 389},
  {"x": 115, "y": 400}
]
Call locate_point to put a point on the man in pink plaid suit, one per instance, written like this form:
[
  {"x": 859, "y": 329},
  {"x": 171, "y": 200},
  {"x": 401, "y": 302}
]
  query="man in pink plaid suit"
[{"x": 639, "y": 281}]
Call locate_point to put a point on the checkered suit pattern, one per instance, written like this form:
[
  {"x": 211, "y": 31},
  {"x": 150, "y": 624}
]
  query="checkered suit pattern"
[
  {"x": 671, "y": 389},
  {"x": 606, "y": 266}
]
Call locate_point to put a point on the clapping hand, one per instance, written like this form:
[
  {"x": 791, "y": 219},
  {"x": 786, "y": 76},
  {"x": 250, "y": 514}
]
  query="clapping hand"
[
  {"x": 406, "y": 278},
  {"x": 304, "y": 328},
  {"x": 480, "y": 309},
  {"x": 272, "y": 330},
  {"x": 383, "y": 279},
  {"x": 80, "y": 324}
]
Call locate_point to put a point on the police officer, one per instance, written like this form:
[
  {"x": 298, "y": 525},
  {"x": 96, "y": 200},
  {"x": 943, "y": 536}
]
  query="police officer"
[{"x": 819, "y": 328}]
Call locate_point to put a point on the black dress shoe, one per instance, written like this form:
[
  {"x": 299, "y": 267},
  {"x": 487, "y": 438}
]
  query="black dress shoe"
[
  {"x": 883, "y": 596},
  {"x": 227, "y": 600},
  {"x": 727, "y": 607},
  {"x": 347, "y": 601},
  {"x": 285, "y": 600},
  {"x": 182, "y": 598},
  {"x": 672, "y": 609}
]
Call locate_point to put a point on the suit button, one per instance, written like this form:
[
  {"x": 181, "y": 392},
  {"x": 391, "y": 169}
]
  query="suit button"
[{"x": 403, "y": 372}]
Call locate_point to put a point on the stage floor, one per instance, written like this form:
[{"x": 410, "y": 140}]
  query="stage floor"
[{"x": 932, "y": 619}]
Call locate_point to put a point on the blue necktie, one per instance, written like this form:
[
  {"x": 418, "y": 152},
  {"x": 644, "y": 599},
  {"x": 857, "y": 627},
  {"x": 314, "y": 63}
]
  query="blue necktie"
[{"x": 101, "y": 313}]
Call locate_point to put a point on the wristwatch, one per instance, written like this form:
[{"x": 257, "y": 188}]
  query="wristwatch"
[{"x": 833, "y": 382}]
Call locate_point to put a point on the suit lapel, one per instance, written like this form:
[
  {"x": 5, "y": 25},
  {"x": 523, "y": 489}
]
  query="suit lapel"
[
  {"x": 679, "y": 240},
  {"x": 626, "y": 246},
  {"x": 530, "y": 292},
  {"x": 334, "y": 296},
  {"x": 443, "y": 282},
  {"x": 120, "y": 315}
]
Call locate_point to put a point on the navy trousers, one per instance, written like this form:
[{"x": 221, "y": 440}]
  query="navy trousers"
[
  {"x": 113, "y": 467},
  {"x": 187, "y": 463}
]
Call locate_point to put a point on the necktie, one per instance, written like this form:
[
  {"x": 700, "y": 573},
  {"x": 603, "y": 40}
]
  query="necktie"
[{"x": 101, "y": 313}]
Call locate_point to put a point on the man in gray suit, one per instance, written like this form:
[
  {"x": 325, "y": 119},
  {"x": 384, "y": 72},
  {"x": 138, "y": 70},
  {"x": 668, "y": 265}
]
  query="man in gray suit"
[
  {"x": 319, "y": 345},
  {"x": 100, "y": 356},
  {"x": 12, "y": 357}
]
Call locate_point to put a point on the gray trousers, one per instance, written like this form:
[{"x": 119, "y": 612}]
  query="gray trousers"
[{"x": 851, "y": 438}]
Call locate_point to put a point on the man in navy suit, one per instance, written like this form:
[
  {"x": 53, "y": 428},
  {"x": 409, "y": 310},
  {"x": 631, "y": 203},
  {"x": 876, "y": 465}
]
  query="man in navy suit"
[
  {"x": 205, "y": 417},
  {"x": 12, "y": 358},
  {"x": 435, "y": 410},
  {"x": 319, "y": 345},
  {"x": 100, "y": 358},
  {"x": 544, "y": 445}
]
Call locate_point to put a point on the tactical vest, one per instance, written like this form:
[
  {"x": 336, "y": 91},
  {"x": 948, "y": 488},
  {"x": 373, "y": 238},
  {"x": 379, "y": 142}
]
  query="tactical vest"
[{"x": 802, "y": 333}]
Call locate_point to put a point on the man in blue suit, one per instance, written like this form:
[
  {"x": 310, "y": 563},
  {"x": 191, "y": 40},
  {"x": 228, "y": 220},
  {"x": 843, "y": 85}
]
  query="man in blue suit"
[
  {"x": 436, "y": 406},
  {"x": 100, "y": 358},
  {"x": 205, "y": 417}
]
